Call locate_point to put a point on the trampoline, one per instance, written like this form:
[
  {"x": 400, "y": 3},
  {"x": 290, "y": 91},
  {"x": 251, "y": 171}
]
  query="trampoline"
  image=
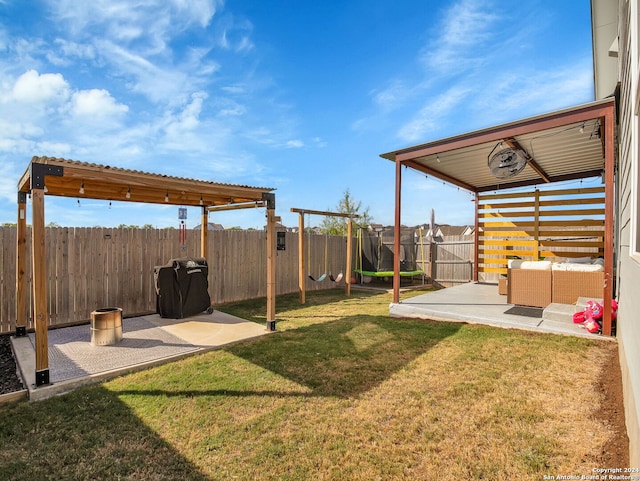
[{"x": 375, "y": 253}]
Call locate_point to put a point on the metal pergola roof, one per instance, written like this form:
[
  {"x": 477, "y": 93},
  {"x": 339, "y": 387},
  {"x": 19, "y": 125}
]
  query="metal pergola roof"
[
  {"x": 70, "y": 178},
  {"x": 562, "y": 145}
]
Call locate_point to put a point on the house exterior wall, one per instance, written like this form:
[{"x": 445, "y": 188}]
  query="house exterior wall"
[
  {"x": 604, "y": 30},
  {"x": 628, "y": 232}
]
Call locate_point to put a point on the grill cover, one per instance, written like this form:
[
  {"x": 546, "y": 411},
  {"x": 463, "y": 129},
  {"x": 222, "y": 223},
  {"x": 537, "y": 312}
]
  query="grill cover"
[{"x": 182, "y": 288}]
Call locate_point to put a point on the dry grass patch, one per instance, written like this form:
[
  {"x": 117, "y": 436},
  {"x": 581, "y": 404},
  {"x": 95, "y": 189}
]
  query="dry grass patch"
[{"x": 341, "y": 392}]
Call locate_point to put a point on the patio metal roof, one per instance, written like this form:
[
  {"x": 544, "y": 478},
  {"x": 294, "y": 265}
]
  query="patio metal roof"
[
  {"x": 563, "y": 145},
  {"x": 70, "y": 178}
]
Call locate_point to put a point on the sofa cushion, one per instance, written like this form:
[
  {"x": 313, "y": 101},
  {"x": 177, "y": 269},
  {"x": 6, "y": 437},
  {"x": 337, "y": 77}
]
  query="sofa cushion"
[
  {"x": 567, "y": 266},
  {"x": 531, "y": 265}
]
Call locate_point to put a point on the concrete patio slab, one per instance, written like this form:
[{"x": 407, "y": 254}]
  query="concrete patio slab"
[
  {"x": 147, "y": 341},
  {"x": 480, "y": 303}
]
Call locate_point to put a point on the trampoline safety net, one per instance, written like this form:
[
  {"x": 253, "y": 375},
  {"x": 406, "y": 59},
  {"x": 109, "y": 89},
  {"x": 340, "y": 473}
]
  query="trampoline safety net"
[{"x": 377, "y": 251}]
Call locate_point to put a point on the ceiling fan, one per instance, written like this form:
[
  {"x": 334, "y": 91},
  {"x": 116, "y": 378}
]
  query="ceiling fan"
[{"x": 507, "y": 163}]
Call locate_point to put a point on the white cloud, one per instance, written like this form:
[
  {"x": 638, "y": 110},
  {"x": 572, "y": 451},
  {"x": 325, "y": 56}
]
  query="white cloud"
[
  {"x": 225, "y": 107},
  {"x": 150, "y": 21},
  {"x": 294, "y": 144},
  {"x": 168, "y": 85},
  {"x": 66, "y": 52},
  {"x": 236, "y": 40},
  {"x": 392, "y": 96},
  {"x": 466, "y": 26},
  {"x": 9, "y": 179},
  {"x": 234, "y": 34},
  {"x": 134, "y": 42},
  {"x": 96, "y": 104},
  {"x": 188, "y": 120},
  {"x": 31, "y": 87},
  {"x": 53, "y": 149},
  {"x": 517, "y": 93},
  {"x": 318, "y": 142},
  {"x": 429, "y": 117}
]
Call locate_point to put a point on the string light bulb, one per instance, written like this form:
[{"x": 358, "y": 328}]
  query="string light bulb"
[
  {"x": 201, "y": 201},
  {"x": 128, "y": 194},
  {"x": 81, "y": 191},
  {"x": 166, "y": 197}
]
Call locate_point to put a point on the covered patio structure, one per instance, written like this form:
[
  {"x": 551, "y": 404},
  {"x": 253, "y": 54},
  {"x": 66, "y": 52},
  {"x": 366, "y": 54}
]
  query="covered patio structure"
[
  {"x": 68, "y": 178},
  {"x": 566, "y": 145}
]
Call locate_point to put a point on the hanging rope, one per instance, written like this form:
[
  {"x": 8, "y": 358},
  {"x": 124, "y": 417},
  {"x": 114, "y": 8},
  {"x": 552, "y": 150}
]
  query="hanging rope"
[
  {"x": 323, "y": 276},
  {"x": 336, "y": 279}
]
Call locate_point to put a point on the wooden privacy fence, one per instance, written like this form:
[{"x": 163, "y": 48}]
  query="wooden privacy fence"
[
  {"x": 90, "y": 268},
  {"x": 448, "y": 261},
  {"x": 539, "y": 224}
]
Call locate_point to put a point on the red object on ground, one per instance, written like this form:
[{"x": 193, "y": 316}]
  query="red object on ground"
[
  {"x": 592, "y": 326},
  {"x": 594, "y": 308}
]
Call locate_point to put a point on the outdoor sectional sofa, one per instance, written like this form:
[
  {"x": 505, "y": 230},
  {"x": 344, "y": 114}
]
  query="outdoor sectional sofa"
[{"x": 539, "y": 283}]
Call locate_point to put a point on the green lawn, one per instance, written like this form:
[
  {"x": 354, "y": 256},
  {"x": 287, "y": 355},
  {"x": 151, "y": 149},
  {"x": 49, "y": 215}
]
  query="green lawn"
[{"x": 340, "y": 392}]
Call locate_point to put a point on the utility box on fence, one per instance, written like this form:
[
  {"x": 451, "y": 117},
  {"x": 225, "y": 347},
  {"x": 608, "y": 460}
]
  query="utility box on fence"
[{"x": 182, "y": 288}]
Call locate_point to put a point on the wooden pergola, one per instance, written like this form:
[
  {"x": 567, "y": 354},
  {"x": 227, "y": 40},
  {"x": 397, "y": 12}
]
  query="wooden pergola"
[
  {"x": 571, "y": 144},
  {"x": 68, "y": 178}
]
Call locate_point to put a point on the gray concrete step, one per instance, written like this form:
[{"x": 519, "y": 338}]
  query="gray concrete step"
[
  {"x": 559, "y": 312},
  {"x": 582, "y": 302}
]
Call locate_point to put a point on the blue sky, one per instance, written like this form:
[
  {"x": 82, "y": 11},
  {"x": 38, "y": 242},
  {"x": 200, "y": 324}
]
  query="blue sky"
[{"x": 302, "y": 96}]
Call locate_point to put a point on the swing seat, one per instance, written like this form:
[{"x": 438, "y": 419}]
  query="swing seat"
[
  {"x": 319, "y": 279},
  {"x": 336, "y": 279}
]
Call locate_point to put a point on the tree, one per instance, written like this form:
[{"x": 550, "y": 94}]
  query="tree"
[{"x": 347, "y": 205}]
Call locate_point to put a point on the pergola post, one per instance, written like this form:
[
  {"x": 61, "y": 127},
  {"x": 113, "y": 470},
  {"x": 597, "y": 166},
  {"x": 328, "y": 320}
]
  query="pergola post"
[
  {"x": 396, "y": 235},
  {"x": 270, "y": 200},
  {"x": 301, "y": 265},
  {"x": 347, "y": 271},
  {"x": 609, "y": 119},
  {"x": 476, "y": 242},
  {"x": 40, "y": 314},
  {"x": 204, "y": 232},
  {"x": 21, "y": 274}
]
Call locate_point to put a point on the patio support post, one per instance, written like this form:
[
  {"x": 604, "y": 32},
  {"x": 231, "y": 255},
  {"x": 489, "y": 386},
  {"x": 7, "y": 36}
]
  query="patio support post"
[
  {"x": 347, "y": 271},
  {"x": 21, "y": 277},
  {"x": 301, "y": 265},
  {"x": 40, "y": 314},
  {"x": 204, "y": 233},
  {"x": 608, "y": 218},
  {"x": 476, "y": 239},
  {"x": 270, "y": 200},
  {"x": 396, "y": 235}
]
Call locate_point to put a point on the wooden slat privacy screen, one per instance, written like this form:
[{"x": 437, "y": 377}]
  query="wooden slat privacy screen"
[{"x": 539, "y": 224}]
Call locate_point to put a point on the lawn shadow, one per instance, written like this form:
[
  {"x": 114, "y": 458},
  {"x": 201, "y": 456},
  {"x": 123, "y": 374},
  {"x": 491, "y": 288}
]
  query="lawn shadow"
[
  {"x": 86, "y": 434},
  {"x": 254, "y": 309},
  {"x": 346, "y": 357}
]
